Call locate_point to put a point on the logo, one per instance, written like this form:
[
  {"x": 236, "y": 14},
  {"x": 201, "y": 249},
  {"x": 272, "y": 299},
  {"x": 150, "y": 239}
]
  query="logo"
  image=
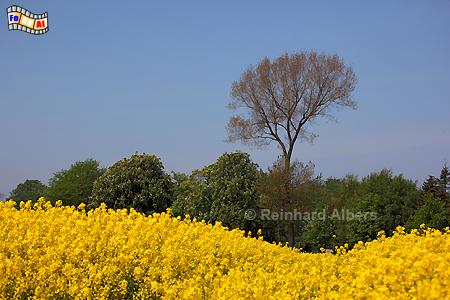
[
  {"x": 250, "y": 214},
  {"x": 22, "y": 19}
]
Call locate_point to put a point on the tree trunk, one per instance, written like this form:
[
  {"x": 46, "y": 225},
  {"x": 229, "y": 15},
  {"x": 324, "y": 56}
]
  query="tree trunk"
[
  {"x": 288, "y": 200},
  {"x": 291, "y": 233}
]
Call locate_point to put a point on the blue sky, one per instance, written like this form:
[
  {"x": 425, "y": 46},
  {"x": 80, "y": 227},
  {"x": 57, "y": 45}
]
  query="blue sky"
[{"x": 110, "y": 79}]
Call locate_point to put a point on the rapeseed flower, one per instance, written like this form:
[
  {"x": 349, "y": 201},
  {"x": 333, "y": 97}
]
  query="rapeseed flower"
[{"x": 49, "y": 252}]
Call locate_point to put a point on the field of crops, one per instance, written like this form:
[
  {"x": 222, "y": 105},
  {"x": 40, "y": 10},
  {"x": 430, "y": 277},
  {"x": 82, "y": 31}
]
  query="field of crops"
[{"x": 66, "y": 252}]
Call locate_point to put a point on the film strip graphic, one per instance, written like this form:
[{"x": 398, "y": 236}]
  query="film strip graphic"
[{"x": 21, "y": 19}]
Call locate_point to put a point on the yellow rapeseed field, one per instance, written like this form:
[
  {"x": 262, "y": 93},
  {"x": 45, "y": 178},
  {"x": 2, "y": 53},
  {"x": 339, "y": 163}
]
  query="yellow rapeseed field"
[{"x": 67, "y": 253}]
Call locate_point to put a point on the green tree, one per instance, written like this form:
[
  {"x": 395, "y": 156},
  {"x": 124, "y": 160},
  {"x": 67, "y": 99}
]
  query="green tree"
[
  {"x": 439, "y": 187},
  {"x": 342, "y": 193},
  {"x": 192, "y": 197},
  {"x": 432, "y": 186},
  {"x": 178, "y": 178},
  {"x": 333, "y": 195},
  {"x": 232, "y": 188},
  {"x": 393, "y": 200},
  {"x": 138, "y": 182},
  {"x": 444, "y": 186},
  {"x": 222, "y": 191},
  {"x": 318, "y": 233},
  {"x": 28, "y": 190},
  {"x": 366, "y": 229},
  {"x": 433, "y": 214},
  {"x": 74, "y": 185},
  {"x": 444, "y": 179},
  {"x": 434, "y": 202}
]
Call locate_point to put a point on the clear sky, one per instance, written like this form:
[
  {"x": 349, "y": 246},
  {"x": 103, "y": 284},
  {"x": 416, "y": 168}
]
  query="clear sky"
[{"x": 112, "y": 78}]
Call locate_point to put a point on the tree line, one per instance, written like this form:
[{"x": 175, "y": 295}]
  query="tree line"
[{"x": 226, "y": 189}]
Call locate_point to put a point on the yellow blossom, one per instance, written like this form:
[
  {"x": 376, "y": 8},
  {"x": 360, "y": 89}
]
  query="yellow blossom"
[{"x": 60, "y": 252}]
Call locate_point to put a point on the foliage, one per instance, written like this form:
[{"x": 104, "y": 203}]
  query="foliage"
[
  {"x": 222, "y": 191},
  {"x": 28, "y": 190},
  {"x": 444, "y": 179},
  {"x": 318, "y": 233},
  {"x": 433, "y": 213},
  {"x": 431, "y": 185},
  {"x": 231, "y": 182},
  {"x": 138, "y": 182},
  {"x": 74, "y": 185},
  {"x": 439, "y": 187},
  {"x": 272, "y": 186},
  {"x": 392, "y": 198},
  {"x": 65, "y": 253},
  {"x": 379, "y": 201},
  {"x": 177, "y": 179},
  {"x": 303, "y": 191},
  {"x": 435, "y": 202},
  {"x": 192, "y": 198},
  {"x": 333, "y": 197}
]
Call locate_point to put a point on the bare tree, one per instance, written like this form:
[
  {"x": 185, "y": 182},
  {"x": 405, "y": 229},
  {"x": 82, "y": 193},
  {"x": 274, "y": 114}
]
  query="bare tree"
[{"x": 281, "y": 98}]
